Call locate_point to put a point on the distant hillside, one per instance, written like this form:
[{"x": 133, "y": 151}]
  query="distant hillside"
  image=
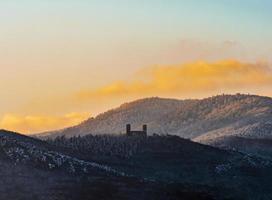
[
  {"x": 204, "y": 120},
  {"x": 114, "y": 121},
  {"x": 258, "y": 147}
]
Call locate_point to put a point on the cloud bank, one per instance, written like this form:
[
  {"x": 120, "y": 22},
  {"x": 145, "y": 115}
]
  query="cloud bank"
[{"x": 188, "y": 80}]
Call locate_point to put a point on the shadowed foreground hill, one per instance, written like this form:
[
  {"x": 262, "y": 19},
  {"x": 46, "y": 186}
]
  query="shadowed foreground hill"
[
  {"x": 203, "y": 120},
  {"x": 33, "y": 169},
  {"x": 120, "y": 167},
  {"x": 171, "y": 159}
]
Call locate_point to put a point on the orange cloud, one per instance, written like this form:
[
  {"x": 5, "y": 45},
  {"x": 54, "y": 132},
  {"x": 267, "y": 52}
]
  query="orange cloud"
[
  {"x": 188, "y": 79},
  {"x": 35, "y": 124}
]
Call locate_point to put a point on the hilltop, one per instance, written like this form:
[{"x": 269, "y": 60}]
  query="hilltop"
[{"x": 204, "y": 120}]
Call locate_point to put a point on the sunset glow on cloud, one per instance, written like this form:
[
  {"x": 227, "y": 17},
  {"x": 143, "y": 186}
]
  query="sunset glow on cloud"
[{"x": 189, "y": 79}]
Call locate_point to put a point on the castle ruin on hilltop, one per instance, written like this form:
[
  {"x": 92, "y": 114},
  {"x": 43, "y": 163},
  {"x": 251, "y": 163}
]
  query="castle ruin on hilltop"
[{"x": 136, "y": 133}]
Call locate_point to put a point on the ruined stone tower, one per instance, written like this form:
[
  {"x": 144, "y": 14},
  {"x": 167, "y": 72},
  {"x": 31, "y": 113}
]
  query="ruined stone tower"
[{"x": 136, "y": 133}]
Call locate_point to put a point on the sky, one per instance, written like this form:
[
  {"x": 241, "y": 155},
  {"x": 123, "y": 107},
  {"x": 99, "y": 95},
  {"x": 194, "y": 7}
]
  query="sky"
[{"x": 63, "y": 61}]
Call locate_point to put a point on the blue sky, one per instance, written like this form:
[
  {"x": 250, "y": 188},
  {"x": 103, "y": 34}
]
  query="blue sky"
[{"x": 221, "y": 19}]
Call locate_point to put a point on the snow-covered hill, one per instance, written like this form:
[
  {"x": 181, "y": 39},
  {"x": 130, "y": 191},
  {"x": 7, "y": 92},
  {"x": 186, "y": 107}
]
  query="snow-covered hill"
[{"x": 202, "y": 120}]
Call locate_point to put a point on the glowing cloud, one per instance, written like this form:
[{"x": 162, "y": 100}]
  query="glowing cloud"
[
  {"x": 188, "y": 80},
  {"x": 35, "y": 124}
]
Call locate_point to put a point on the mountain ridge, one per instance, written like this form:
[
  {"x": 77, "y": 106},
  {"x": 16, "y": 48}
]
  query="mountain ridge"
[{"x": 191, "y": 118}]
